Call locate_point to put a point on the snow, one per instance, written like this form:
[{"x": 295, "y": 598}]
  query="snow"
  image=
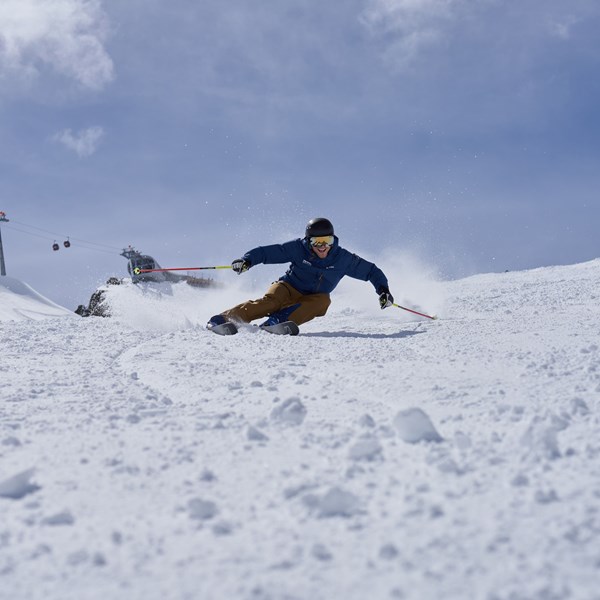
[
  {"x": 18, "y": 301},
  {"x": 376, "y": 455},
  {"x": 414, "y": 426}
]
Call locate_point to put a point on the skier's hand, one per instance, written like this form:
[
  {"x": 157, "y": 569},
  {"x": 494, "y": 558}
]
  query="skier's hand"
[
  {"x": 385, "y": 298},
  {"x": 239, "y": 265}
]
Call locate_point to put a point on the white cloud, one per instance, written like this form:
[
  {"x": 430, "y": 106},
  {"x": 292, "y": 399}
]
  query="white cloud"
[
  {"x": 407, "y": 14},
  {"x": 83, "y": 143},
  {"x": 410, "y": 26},
  {"x": 67, "y": 35},
  {"x": 563, "y": 28}
]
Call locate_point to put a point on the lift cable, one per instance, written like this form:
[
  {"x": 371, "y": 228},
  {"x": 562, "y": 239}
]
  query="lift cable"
[
  {"x": 62, "y": 235},
  {"x": 44, "y": 237}
]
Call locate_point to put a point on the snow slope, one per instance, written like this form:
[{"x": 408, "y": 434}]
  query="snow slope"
[
  {"x": 18, "y": 301},
  {"x": 143, "y": 457}
]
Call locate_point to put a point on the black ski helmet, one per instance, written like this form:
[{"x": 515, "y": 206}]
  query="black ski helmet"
[{"x": 318, "y": 227}]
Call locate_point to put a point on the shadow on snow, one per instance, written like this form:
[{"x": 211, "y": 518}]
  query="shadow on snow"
[{"x": 373, "y": 336}]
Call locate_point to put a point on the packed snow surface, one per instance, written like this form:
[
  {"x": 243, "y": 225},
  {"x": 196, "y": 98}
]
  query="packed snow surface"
[{"x": 375, "y": 456}]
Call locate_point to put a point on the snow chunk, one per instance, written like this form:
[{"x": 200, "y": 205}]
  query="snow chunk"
[
  {"x": 321, "y": 552},
  {"x": 290, "y": 412},
  {"x": 335, "y": 503},
  {"x": 388, "y": 552},
  {"x": 449, "y": 465},
  {"x": 545, "y": 496},
  {"x": 579, "y": 407},
  {"x": 256, "y": 435},
  {"x": 415, "y": 426},
  {"x": 541, "y": 439},
  {"x": 366, "y": 421},
  {"x": 18, "y": 486},
  {"x": 462, "y": 441},
  {"x": 78, "y": 558},
  {"x": 11, "y": 441},
  {"x": 62, "y": 518},
  {"x": 202, "y": 509},
  {"x": 365, "y": 449},
  {"x": 520, "y": 480},
  {"x": 222, "y": 528},
  {"x": 207, "y": 475}
]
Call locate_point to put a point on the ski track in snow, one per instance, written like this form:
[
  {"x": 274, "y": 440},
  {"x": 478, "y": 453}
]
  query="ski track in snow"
[{"x": 146, "y": 464}]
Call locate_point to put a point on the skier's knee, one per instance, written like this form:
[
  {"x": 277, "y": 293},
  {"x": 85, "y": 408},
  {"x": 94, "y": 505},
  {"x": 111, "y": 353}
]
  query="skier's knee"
[
  {"x": 270, "y": 303},
  {"x": 323, "y": 306}
]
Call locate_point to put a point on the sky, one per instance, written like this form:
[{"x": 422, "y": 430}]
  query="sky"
[{"x": 463, "y": 133}]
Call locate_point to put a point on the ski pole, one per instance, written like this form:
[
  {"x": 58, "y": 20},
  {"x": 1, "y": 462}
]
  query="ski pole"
[
  {"x": 137, "y": 270},
  {"x": 415, "y": 312}
]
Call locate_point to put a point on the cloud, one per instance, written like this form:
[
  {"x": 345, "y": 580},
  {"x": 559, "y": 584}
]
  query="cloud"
[
  {"x": 83, "y": 143},
  {"x": 66, "y": 35},
  {"x": 563, "y": 29},
  {"x": 409, "y": 26},
  {"x": 408, "y": 29}
]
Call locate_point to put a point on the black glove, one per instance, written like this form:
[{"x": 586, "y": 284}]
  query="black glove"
[
  {"x": 385, "y": 298},
  {"x": 239, "y": 265}
]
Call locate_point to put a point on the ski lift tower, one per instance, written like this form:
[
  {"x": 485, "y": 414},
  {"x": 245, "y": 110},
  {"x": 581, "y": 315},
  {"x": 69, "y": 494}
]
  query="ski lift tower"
[{"x": 3, "y": 219}]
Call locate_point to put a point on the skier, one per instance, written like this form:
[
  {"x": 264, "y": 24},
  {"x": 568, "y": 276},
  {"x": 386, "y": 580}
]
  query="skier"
[{"x": 318, "y": 264}]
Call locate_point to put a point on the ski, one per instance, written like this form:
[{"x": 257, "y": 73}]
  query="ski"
[
  {"x": 229, "y": 328},
  {"x": 285, "y": 328},
  {"x": 226, "y": 328}
]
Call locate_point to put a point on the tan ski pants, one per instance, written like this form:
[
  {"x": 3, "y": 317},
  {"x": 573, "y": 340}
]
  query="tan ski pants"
[{"x": 279, "y": 296}]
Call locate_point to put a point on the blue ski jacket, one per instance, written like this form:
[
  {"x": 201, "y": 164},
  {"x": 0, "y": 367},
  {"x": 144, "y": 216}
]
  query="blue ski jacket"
[{"x": 310, "y": 274}]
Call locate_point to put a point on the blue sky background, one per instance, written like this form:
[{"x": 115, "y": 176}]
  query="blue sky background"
[{"x": 464, "y": 132}]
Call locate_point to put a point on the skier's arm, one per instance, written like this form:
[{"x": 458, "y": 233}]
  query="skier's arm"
[
  {"x": 368, "y": 271},
  {"x": 271, "y": 255},
  {"x": 360, "y": 268}
]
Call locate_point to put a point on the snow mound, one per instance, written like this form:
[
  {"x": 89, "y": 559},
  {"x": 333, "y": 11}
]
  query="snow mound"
[
  {"x": 414, "y": 426},
  {"x": 336, "y": 502},
  {"x": 289, "y": 412},
  {"x": 20, "y": 302},
  {"x": 18, "y": 486}
]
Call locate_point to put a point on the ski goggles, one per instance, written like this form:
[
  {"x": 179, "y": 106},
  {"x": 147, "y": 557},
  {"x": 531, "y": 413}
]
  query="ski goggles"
[{"x": 322, "y": 241}]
